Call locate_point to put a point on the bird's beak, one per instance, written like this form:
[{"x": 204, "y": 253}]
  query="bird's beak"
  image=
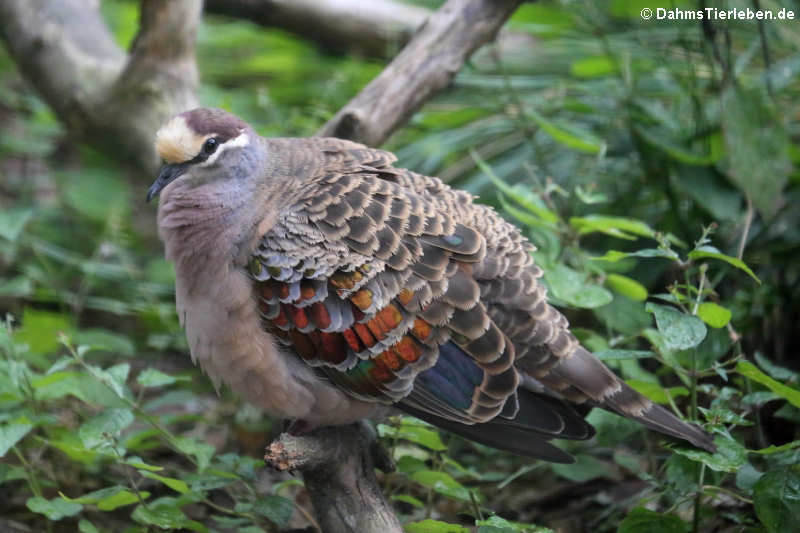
[{"x": 166, "y": 175}]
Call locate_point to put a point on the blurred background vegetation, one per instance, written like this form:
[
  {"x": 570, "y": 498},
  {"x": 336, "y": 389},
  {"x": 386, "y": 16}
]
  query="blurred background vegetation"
[{"x": 655, "y": 166}]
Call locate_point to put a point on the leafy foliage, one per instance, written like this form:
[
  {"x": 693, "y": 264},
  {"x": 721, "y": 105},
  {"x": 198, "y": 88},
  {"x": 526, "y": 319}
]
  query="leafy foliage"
[{"x": 652, "y": 163}]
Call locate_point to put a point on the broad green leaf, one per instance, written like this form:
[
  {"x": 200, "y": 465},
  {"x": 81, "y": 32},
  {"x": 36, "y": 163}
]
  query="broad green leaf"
[
  {"x": 680, "y": 331},
  {"x": 713, "y": 314},
  {"x": 40, "y": 330},
  {"x": 751, "y": 371},
  {"x": 495, "y": 524},
  {"x": 433, "y": 526},
  {"x": 656, "y": 392},
  {"x": 443, "y": 483},
  {"x": 84, "y": 526},
  {"x": 95, "y": 193},
  {"x": 627, "y": 287},
  {"x": 12, "y": 220},
  {"x": 54, "y": 509},
  {"x": 772, "y": 449},
  {"x": 175, "y": 484},
  {"x": 573, "y": 288},
  {"x": 641, "y": 520},
  {"x": 757, "y": 146},
  {"x": 13, "y": 432},
  {"x": 120, "y": 499},
  {"x": 108, "y": 425},
  {"x": 105, "y": 340},
  {"x": 164, "y": 515},
  {"x": 569, "y": 135},
  {"x": 730, "y": 455},
  {"x": 776, "y": 498},
  {"x": 593, "y": 67},
  {"x": 712, "y": 253},
  {"x": 277, "y": 508}
]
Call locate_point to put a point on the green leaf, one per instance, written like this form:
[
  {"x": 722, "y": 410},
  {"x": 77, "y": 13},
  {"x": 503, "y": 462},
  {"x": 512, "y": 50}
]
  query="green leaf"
[
  {"x": 201, "y": 451},
  {"x": 495, "y": 524},
  {"x": 12, "y": 433},
  {"x": 120, "y": 499},
  {"x": 627, "y": 287},
  {"x": 416, "y": 433},
  {"x": 573, "y": 288},
  {"x": 443, "y": 483},
  {"x": 593, "y": 67},
  {"x": 175, "y": 484},
  {"x": 98, "y": 431},
  {"x": 676, "y": 151},
  {"x": 614, "y": 256},
  {"x": 40, "y": 330},
  {"x": 757, "y": 145},
  {"x": 583, "y": 469},
  {"x": 17, "y": 287},
  {"x": 407, "y": 498},
  {"x": 680, "y": 331},
  {"x": 277, "y": 508},
  {"x": 752, "y": 372},
  {"x": 641, "y": 520},
  {"x": 165, "y": 514},
  {"x": 84, "y": 526},
  {"x": 433, "y": 526},
  {"x": 54, "y": 509},
  {"x": 730, "y": 455},
  {"x": 776, "y": 498},
  {"x": 712, "y": 253},
  {"x": 150, "y": 377},
  {"x": 615, "y": 355},
  {"x": 776, "y": 371},
  {"x": 656, "y": 392},
  {"x": 13, "y": 220},
  {"x": 569, "y": 135},
  {"x": 714, "y": 315},
  {"x": 95, "y": 192}
]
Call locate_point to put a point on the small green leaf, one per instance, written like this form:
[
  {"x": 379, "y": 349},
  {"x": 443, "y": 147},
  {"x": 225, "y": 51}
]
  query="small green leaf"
[
  {"x": 680, "y": 331},
  {"x": 120, "y": 499},
  {"x": 108, "y": 425},
  {"x": 175, "y": 484},
  {"x": 277, "y": 508},
  {"x": 751, "y": 371},
  {"x": 776, "y": 498},
  {"x": 433, "y": 526},
  {"x": 709, "y": 252},
  {"x": 627, "y": 287},
  {"x": 443, "y": 483},
  {"x": 12, "y": 220},
  {"x": 12, "y": 433},
  {"x": 569, "y": 135},
  {"x": 573, "y": 288},
  {"x": 714, "y": 315},
  {"x": 641, "y": 520},
  {"x": 54, "y": 509},
  {"x": 150, "y": 377},
  {"x": 407, "y": 498},
  {"x": 614, "y": 256},
  {"x": 496, "y": 524},
  {"x": 615, "y": 355},
  {"x": 165, "y": 515},
  {"x": 416, "y": 433},
  {"x": 593, "y": 67},
  {"x": 730, "y": 455},
  {"x": 201, "y": 451}
]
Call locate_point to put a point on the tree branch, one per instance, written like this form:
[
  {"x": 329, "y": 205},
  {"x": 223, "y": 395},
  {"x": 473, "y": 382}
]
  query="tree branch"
[
  {"x": 99, "y": 93},
  {"x": 372, "y": 28},
  {"x": 338, "y": 467},
  {"x": 426, "y": 65}
]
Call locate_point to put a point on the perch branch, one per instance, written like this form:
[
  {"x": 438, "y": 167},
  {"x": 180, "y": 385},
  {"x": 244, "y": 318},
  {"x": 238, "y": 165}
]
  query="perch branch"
[
  {"x": 426, "y": 65},
  {"x": 100, "y": 93},
  {"x": 374, "y": 28},
  {"x": 338, "y": 467}
]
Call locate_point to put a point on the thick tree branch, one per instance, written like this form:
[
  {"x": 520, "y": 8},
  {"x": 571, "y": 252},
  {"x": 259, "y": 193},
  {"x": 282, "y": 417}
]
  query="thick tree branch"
[
  {"x": 426, "y": 65},
  {"x": 373, "y": 28},
  {"x": 338, "y": 467},
  {"x": 99, "y": 93}
]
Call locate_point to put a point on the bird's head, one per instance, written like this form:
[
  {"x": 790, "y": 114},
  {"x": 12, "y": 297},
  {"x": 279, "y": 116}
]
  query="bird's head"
[{"x": 197, "y": 143}]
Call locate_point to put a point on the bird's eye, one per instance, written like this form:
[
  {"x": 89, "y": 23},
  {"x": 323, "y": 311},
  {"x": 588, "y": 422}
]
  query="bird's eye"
[{"x": 210, "y": 146}]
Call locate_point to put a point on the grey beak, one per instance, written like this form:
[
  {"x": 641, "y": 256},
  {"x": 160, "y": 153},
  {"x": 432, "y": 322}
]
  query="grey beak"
[{"x": 166, "y": 175}]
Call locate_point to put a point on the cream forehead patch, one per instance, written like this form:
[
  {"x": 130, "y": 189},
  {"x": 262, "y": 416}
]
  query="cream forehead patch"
[{"x": 176, "y": 142}]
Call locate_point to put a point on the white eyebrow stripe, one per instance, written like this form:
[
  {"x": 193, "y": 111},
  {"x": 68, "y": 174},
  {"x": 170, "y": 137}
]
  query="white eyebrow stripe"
[{"x": 239, "y": 141}]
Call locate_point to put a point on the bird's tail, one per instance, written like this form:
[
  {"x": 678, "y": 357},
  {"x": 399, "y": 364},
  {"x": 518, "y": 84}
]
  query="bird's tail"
[{"x": 580, "y": 375}]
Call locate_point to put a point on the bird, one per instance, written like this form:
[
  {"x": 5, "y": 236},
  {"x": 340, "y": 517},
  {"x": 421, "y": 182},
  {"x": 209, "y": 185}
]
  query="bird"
[{"x": 326, "y": 286}]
